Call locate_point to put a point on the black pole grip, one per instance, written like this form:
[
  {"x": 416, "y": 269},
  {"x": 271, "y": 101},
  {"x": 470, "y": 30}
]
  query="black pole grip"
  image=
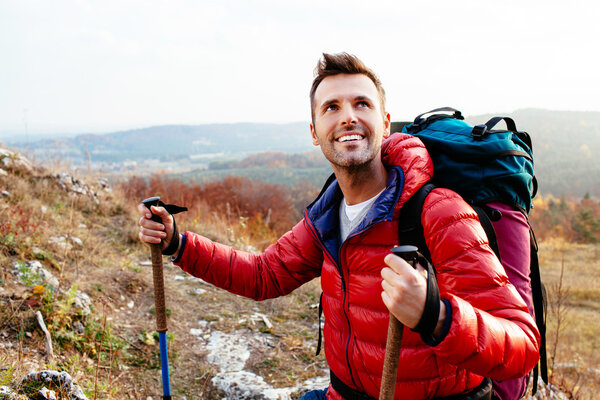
[
  {"x": 408, "y": 253},
  {"x": 152, "y": 201}
]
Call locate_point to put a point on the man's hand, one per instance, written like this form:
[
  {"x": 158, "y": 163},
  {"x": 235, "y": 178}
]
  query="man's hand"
[
  {"x": 154, "y": 232},
  {"x": 405, "y": 291}
]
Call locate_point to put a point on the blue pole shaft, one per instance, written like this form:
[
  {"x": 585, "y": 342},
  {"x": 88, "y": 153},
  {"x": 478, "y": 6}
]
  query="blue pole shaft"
[{"x": 164, "y": 365}]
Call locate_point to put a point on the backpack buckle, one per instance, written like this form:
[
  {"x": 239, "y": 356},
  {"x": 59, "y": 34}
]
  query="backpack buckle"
[{"x": 479, "y": 131}]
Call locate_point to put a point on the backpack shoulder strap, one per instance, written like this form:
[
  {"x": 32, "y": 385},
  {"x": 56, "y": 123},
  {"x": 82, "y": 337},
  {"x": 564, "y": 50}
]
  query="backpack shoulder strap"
[
  {"x": 483, "y": 213},
  {"x": 410, "y": 230},
  {"x": 540, "y": 307}
]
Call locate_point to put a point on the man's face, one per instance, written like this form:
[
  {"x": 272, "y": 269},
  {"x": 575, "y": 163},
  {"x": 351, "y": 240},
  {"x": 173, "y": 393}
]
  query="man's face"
[{"x": 349, "y": 123}]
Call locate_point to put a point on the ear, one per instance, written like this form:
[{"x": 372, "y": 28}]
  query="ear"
[
  {"x": 387, "y": 124},
  {"x": 315, "y": 139}
]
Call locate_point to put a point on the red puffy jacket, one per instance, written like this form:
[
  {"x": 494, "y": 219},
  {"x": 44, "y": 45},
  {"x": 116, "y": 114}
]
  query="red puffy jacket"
[{"x": 490, "y": 334}]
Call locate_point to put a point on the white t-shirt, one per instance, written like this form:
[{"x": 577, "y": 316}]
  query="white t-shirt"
[{"x": 351, "y": 216}]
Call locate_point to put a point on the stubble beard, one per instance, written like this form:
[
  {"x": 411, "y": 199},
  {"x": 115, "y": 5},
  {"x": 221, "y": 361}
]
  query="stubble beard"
[{"x": 352, "y": 161}]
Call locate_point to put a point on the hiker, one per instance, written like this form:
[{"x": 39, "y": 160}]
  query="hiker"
[{"x": 483, "y": 327}]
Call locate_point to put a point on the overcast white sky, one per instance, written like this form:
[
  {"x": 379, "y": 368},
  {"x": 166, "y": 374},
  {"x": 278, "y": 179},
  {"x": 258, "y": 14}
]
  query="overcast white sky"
[{"x": 96, "y": 66}]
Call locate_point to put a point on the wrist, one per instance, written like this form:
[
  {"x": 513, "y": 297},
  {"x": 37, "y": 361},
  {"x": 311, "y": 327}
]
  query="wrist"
[
  {"x": 175, "y": 258},
  {"x": 441, "y": 320},
  {"x": 179, "y": 247}
]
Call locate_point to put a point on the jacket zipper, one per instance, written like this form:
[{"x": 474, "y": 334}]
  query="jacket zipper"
[
  {"x": 342, "y": 247},
  {"x": 340, "y": 271},
  {"x": 347, "y": 321}
]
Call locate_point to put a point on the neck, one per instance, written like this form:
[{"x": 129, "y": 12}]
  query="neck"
[{"x": 360, "y": 183}]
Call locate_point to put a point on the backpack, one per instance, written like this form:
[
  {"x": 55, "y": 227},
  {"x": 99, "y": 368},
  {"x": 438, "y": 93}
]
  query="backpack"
[{"x": 493, "y": 171}]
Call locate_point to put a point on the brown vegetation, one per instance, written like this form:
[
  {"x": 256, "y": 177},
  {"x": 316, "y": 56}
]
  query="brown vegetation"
[
  {"x": 259, "y": 211},
  {"x": 568, "y": 219}
]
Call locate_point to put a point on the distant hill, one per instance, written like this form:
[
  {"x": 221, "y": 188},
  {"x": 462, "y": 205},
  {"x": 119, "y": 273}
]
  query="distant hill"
[
  {"x": 174, "y": 141},
  {"x": 566, "y": 147}
]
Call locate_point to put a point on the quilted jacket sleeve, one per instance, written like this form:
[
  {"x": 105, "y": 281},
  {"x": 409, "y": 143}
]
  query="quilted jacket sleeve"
[
  {"x": 293, "y": 260},
  {"x": 491, "y": 333}
]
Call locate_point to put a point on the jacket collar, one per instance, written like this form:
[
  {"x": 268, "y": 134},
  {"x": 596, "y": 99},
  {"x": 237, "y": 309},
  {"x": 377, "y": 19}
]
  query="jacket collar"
[
  {"x": 409, "y": 167},
  {"x": 323, "y": 213}
]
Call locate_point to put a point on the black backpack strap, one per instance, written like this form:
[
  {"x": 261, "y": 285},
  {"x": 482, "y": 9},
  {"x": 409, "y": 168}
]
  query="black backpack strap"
[
  {"x": 410, "y": 230},
  {"x": 486, "y": 214},
  {"x": 320, "y": 334},
  {"x": 421, "y": 122},
  {"x": 540, "y": 307}
]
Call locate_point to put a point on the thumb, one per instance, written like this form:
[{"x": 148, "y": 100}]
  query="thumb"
[{"x": 163, "y": 214}]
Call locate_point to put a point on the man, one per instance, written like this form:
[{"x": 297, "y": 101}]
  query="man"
[{"x": 483, "y": 327}]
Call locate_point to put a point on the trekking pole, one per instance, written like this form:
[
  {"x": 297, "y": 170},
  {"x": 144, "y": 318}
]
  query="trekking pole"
[
  {"x": 394, "y": 337},
  {"x": 159, "y": 303}
]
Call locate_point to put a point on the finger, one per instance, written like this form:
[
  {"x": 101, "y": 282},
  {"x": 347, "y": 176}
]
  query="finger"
[
  {"x": 420, "y": 270},
  {"x": 143, "y": 210},
  {"x": 397, "y": 264},
  {"x": 405, "y": 273},
  {"x": 153, "y": 233},
  {"x": 149, "y": 239},
  {"x": 387, "y": 300},
  {"x": 390, "y": 276},
  {"x": 149, "y": 224},
  {"x": 391, "y": 290}
]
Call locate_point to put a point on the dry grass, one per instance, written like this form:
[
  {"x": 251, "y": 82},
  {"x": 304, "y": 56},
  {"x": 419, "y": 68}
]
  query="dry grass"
[
  {"x": 107, "y": 267},
  {"x": 577, "y": 337}
]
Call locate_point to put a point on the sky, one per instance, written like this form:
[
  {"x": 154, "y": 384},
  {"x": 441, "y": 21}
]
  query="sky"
[{"x": 75, "y": 66}]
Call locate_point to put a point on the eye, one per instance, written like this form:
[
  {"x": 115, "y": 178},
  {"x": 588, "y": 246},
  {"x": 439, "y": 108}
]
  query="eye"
[
  {"x": 331, "y": 107},
  {"x": 362, "y": 103}
]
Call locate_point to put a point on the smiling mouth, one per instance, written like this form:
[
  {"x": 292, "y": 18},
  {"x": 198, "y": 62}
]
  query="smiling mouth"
[{"x": 348, "y": 138}]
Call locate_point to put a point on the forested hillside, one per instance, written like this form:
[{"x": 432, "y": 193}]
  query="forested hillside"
[{"x": 566, "y": 150}]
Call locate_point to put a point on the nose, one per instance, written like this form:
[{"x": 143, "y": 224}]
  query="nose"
[{"x": 348, "y": 116}]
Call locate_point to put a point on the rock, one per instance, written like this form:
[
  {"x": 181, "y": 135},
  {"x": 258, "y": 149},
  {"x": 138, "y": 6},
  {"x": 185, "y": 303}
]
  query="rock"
[
  {"x": 5, "y": 193},
  {"x": 77, "y": 187},
  {"x": 3, "y": 172},
  {"x": 62, "y": 379},
  {"x": 83, "y": 302},
  {"x": 47, "y": 394},
  {"x": 5, "y": 390},
  {"x": 66, "y": 242},
  {"x": 78, "y": 328},
  {"x": 33, "y": 273},
  {"x": 15, "y": 163},
  {"x": 60, "y": 242},
  {"x": 229, "y": 353}
]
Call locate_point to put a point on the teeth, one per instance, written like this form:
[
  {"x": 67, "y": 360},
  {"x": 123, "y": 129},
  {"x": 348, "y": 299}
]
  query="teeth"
[{"x": 349, "y": 137}]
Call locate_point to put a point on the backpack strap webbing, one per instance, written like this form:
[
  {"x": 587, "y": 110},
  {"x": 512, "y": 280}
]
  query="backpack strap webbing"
[
  {"x": 410, "y": 229},
  {"x": 540, "y": 307},
  {"x": 486, "y": 223},
  {"x": 320, "y": 340}
]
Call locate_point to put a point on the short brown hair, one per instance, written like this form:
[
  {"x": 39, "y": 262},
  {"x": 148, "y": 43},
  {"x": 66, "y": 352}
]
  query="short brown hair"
[{"x": 342, "y": 63}]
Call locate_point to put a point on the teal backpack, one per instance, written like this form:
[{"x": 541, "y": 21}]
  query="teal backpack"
[
  {"x": 483, "y": 165},
  {"x": 480, "y": 163}
]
